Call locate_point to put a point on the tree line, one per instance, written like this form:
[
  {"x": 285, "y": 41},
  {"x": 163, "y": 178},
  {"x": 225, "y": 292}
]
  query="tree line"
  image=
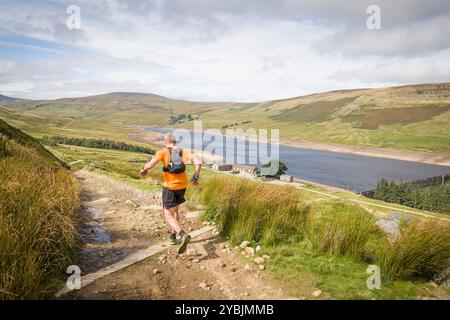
[
  {"x": 434, "y": 198},
  {"x": 180, "y": 118},
  {"x": 95, "y": 143}
]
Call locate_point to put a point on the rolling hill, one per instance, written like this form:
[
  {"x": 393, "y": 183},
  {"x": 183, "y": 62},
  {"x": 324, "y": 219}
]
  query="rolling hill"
[
  {"x": 412, "y": 117},
  {"x": 25, "y": 140},
  {"x": 6, "y": 99}
]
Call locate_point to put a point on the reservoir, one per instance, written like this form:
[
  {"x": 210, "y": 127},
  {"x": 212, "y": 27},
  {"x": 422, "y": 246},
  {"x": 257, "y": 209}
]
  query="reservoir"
[{"x": 343, "y": 170}]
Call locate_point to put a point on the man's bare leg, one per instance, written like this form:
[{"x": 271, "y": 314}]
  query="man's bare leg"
[
  {"x": 177, "y": 214},
  {"x": 173, "y": 233},
  {"x": 170, "y": 214}
]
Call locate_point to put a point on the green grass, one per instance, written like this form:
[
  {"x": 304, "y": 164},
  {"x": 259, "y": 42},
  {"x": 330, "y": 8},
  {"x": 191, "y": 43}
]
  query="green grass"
[
  {"x": 120, "y": 165},
  {"x": 370, "y": 204},
  {"x": 61, "y": 124},
  {"x": 374, "y": 118},
  {"x": 343, "y": 230},
  {"x": 422, "y": 249},
  {"x": 314, "y": 112},
  {"x": 248, "y": 210},
  {"x": 38, "y": 209},
  {"x": 301, "y": 270},
  {"x": 193, "y": 195},
  {"x": 13, "y": 133},
  {"x": 324, "y": 244},
  {"x": 123, "y": 166}
]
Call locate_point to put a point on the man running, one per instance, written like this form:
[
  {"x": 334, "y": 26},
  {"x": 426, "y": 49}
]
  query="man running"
[{"x": 174, "y": 185}]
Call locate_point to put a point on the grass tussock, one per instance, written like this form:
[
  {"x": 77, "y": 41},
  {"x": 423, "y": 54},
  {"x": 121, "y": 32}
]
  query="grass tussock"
[
  {"x": 193, "y": 195},
  {"x": 422, "y": 249},
  {"x": 252, "y": 211},
  {"x": 343, "y": 230},
  {"x": 38, "y": 205}
]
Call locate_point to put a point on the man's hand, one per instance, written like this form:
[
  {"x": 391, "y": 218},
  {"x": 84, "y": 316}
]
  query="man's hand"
[
  {"x": 194, "y": 179},
  {"x": 148, "y": 166}
]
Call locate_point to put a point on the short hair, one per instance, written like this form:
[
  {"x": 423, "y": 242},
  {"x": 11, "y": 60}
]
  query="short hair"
[{"x": 170, "y": 138}]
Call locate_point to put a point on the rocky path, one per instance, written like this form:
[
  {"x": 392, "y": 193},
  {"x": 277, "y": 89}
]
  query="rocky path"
[{"x": 120, "y": 219}]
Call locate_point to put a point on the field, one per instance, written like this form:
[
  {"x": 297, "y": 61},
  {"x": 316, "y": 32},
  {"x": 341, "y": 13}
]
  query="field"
[{"x": 120, "y": 165}]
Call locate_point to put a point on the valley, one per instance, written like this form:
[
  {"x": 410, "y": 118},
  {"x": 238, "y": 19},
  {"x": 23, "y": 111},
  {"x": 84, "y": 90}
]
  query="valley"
[{"x": 407, "y": 118}]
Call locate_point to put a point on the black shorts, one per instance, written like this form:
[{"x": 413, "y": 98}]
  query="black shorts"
[{"x": 172, "y": 198}]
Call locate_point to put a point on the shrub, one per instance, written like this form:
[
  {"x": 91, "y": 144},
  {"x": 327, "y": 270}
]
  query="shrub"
[
  {"x": 254, "y": 211},
  {"x": 343, "y": 230},
  {"x": 422, "y": 249}
]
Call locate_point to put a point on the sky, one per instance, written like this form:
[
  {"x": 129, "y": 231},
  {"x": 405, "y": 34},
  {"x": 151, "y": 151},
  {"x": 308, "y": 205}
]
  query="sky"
[{"x": 227, "y": 50}]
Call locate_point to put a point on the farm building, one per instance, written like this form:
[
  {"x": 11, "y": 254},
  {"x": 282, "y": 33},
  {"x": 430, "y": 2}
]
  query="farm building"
[{"x": 244, "y": 168}]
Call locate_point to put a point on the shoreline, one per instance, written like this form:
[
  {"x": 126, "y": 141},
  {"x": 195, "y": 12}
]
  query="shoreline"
[{"x": 441, "y": 159}]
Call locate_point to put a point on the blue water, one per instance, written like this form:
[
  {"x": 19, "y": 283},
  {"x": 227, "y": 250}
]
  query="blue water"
[{"x": 348, "y": 171}]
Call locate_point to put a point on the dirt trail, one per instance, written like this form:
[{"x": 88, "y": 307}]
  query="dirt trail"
[{"x": 120, "y": 219}]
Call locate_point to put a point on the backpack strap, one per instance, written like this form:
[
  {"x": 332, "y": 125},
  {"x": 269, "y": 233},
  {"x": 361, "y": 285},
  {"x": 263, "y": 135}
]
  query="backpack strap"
[{"x": 165, "y": 169}]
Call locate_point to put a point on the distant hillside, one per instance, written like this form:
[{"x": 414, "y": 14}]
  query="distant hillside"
[
  {"x": 5, "y": 99},
  {"x": 413, "y": 117}
]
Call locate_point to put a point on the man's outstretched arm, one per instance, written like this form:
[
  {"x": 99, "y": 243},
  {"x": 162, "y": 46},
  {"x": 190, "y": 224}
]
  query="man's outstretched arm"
[
  {"x": 198, "y": 168},
  {"x": 149, "y": 165}
]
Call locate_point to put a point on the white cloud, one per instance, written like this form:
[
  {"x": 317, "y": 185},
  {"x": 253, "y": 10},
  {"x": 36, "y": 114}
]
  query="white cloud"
[
  {"x": 421, "y": 69},
  {"x": 223, "y": 50}
]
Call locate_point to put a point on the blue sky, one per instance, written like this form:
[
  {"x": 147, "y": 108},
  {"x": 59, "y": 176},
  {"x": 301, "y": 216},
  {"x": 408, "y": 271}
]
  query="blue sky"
[{"x": 232, "y": 50}]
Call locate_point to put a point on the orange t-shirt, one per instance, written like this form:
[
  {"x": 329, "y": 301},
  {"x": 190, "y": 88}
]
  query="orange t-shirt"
[{"x": 174, "y": 181}]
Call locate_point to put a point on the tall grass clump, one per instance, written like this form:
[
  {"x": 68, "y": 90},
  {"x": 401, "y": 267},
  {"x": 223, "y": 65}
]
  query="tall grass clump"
[
  {"x": 422, "y": 249},
  {"x": 2, "y": 145},
  {"x": 193, "y": 195},
  {"x": 343, "y": 229},
  {"x": 38, "y": 206},
  {"x": 248, "y": 210}
]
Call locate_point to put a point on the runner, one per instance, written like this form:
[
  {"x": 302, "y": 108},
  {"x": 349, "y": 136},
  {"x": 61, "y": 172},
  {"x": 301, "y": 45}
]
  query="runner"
[{"x": 174, "y": 185}]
